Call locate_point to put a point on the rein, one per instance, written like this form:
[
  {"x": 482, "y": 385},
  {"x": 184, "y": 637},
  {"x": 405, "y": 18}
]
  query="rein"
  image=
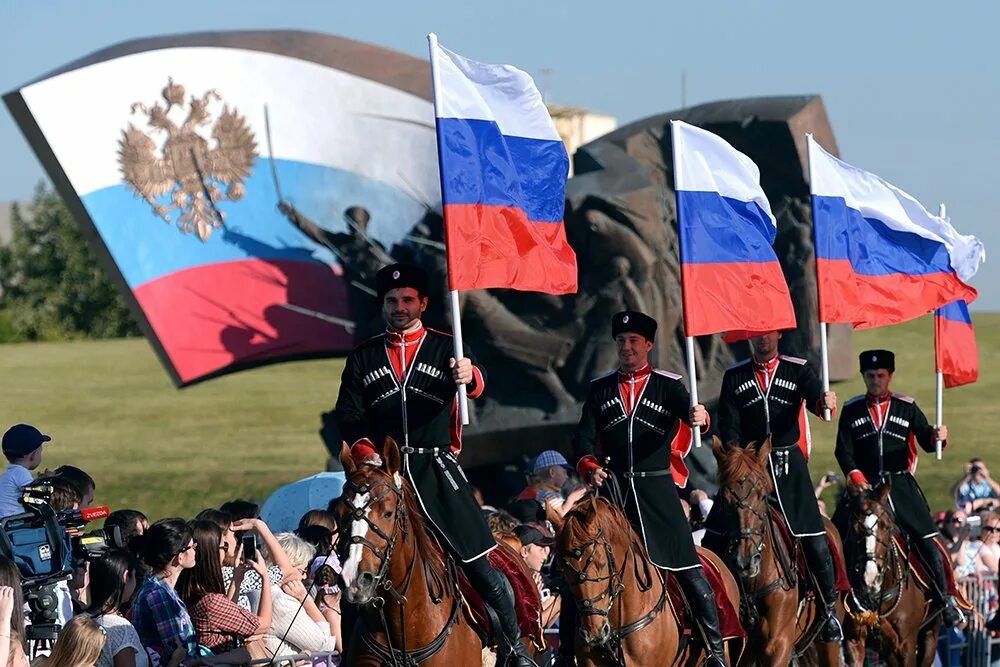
[
  {"x": 615, "y": 577},
  {"x": 387, "y": 653},
  {"x": 868, "y": 609},
  {"x": 758, "y": 539}
]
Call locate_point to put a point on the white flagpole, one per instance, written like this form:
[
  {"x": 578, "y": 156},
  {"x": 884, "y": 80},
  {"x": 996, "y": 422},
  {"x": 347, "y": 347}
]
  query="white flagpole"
[
  {"x": 689, "y": 340},
  {"x": 939, "y": 393},
  {"x": 824, "y": 349},
  {"x": 693, "y": 374},
  {"x": 824, "y": 352},
  {"x": 456, "y": 312}
]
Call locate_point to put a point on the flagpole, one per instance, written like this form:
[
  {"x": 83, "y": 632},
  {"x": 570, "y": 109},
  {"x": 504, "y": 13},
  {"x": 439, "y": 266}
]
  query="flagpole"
[
  {"x": 688, "y": 340},
  {"x": 939, "y": 376},
  {"x": 824, "y": 349},
  {"x": 824, "y": 352},
  {"x": 456, "y": 311},
  {"x": 693, "y": 374}
]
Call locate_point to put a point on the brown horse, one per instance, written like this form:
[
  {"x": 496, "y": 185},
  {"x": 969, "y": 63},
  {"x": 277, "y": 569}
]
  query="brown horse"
[
  {"x": 410, "y": 605},
  {"x": 626, "y": 617},
  {"x": 780, "y": 617},
  {"x": 887, "y": 607}
]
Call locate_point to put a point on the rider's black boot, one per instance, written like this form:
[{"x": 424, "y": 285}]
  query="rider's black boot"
[
  {"x": 951, "y": 615},
  {"x": 567, "y": 629},
  {"x": 704, "y": 608},
  {"x": 820, "y": 560},
  {"x": 497, "y": 593}
]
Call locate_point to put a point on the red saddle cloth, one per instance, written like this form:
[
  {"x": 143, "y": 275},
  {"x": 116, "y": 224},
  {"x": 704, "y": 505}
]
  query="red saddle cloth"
[
  {"x": 843, "y": 584},
  {"x": 922, "y": 572},
  {"x": 729, "y": 615},
  {"x": 527, "y": 600}
]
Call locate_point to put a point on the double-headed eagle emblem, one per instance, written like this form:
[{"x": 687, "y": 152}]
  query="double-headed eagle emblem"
[{"x": 185, "y": 180}]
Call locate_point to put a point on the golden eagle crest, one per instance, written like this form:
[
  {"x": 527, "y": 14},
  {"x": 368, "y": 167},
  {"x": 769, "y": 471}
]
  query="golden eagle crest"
[{"x": 187, "y": 168}]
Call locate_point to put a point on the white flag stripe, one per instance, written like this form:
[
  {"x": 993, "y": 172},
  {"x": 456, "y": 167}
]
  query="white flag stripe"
[
  {"x": 317, "y": 114},
  {"x": 500, "y": 93},
  {"x": 708, "y": 163},
  {"x": 874, "y": 198}
]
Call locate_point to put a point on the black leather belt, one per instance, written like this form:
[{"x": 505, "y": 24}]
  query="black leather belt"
[
  {"x": 646, "y": 473},
  {"x": 423, "y": 450}
]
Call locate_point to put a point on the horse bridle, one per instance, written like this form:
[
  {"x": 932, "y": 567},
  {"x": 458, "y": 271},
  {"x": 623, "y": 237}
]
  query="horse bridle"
[
  {"x": 615, "y": 578},
  {"x": 890, "y": 556},
  {"x": 390, "y": 655},
  {"x": 398, "y": 525},
  {"x": 756, "y": 536},
  {"x": 613, "y": 648}
]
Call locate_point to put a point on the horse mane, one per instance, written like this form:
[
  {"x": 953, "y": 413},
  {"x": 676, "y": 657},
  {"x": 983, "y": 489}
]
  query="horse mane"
[
  {"x": 739, "y": 462},
  {"x": 591, "y": 516}
]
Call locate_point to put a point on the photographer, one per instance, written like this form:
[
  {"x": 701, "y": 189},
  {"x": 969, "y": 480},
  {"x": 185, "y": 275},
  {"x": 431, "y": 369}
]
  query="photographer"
[
  {"x": 221, "y": 624},
  {"x": 243, "y": 584},
  {"x": 113, "y": 581},
  {"x": 64, "y": 496},
  {"x": 131, "y": 525},
  {"x": 976, "y": 490},
  {"x": 81, "y": 481}
]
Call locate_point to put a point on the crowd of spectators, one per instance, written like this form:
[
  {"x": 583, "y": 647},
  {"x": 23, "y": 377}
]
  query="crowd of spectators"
[
  {"x": 189, "y": 591},
  {"x": 176, "y": 591}
]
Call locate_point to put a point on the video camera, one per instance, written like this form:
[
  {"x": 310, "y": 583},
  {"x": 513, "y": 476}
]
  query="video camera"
[{"x": 46, "y": 546}]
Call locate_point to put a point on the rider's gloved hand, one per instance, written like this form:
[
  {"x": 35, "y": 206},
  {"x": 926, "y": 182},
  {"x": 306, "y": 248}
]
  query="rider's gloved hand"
[{"x": 597, "y": 477}]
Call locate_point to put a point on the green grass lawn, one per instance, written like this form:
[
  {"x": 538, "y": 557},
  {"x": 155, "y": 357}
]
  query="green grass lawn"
[{"x": 112, "y": 410}]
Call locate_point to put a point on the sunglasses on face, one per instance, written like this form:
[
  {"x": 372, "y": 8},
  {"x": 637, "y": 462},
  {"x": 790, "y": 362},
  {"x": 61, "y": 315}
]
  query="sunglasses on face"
[
  {"x": 991, "y": 529},
  {"x": 189, "y": 547}
]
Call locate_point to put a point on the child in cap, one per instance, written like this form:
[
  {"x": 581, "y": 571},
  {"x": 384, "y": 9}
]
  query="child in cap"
[{"x": 22, "y": 445}]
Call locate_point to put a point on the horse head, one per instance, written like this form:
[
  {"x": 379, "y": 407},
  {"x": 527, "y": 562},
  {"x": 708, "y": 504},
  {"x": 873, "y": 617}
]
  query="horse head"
[
  {"x": 373, "y": 520},
  {"x": 592, "y": 546},
  {"x": 869, "y": 539},
  {"x": 745, "y": 486}
]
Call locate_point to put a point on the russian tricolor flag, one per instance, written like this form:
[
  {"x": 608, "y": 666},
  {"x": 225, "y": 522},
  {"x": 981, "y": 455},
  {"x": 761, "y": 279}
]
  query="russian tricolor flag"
[
  {"x": 730, "y": 276},
  {"x": 955, "y": 345},
  {"x": 881, "y": 258},
  {"x": 503, "y": 179}
]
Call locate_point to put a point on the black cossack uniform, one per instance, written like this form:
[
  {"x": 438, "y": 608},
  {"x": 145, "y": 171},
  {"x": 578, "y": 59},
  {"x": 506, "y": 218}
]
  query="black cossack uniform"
[
  {"x": 889, "y": 453},
  {"x": 747, "y": 414},
  {"x": 637, "y": 449},
  {"x": 419, "y": 413}
]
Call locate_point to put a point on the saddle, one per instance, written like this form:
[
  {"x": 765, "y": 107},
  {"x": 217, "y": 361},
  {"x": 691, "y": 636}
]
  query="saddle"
[
  {"x": 729, "y": 616},
  {"x": 921, "y": 571},
  {"x": 527, "y": 601},
  {"x": 843, "y": 584}
]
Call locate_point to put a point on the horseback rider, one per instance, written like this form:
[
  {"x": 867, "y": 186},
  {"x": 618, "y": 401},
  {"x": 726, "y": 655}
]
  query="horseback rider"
[
  {"x": 767, "y": 396},
  {"x": 877, "y": 441},
  {"x": 634, "y": 413},
  {"x": 402, "y": 383}
]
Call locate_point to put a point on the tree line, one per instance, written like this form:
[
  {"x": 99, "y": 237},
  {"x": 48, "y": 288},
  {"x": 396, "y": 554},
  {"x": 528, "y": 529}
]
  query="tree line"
[{"x": 51, "y": 284}]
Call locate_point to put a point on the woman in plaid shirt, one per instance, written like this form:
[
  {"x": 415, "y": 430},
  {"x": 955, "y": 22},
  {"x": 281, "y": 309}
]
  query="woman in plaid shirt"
[
  {"x": 221, "y": 624},
  {"x": 158, "y": 614}
]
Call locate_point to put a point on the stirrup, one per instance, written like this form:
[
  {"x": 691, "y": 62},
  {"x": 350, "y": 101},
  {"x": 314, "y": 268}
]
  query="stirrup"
[
  {"x": 517, "y": 657},
  {"x": 951, "y": 613},
  {"x": 832, "y": 630}
]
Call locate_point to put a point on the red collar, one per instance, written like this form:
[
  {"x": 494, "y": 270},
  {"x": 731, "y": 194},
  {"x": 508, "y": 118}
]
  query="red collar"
[
  {"x": 875, "y": 400},
  {"x": 766, "y": 366},
  {"x": 396, "y": 338},
  {"x": 637, "y": 374}
]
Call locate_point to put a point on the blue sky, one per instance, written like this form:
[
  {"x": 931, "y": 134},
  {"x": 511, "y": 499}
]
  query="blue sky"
[{"x": 912, "y": 88}]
